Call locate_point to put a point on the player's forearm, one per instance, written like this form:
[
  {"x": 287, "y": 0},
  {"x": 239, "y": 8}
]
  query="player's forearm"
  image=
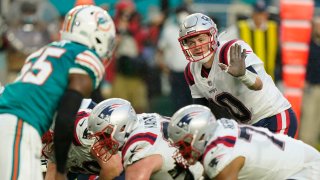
[
  {"x": 138, "y": 175},
  {"x": 251, "y": 80},
  {"x": 257, "y": 85},
  {"x": 112, "y": 168},
  {"x": 51, "y": 171},
  {"x": 64, "y": 125},
  {"x": 144, "y": 168},
  {"x": 108, "y": 175}
]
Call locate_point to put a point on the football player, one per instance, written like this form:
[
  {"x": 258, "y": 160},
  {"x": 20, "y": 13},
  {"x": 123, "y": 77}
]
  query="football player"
[
  {"x": 81, "y": 160},
  {"x": 232, "y": 151},
  {"x": 55, "y": 78},
  {"x": 142, "y": 138},
  {"x": 229, "y": 74}
]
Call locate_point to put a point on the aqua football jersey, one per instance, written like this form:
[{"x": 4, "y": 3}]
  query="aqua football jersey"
[{"x": 35, "y": 94}]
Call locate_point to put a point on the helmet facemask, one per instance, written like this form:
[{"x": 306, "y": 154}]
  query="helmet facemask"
[
  {"x": 105, "y": 146},
  {"x": 187, "y": 155},
  {"x": 204, "y": 55}
]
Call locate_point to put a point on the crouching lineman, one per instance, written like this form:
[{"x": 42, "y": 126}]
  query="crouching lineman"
[
  {"x": 81, "y": 160},
  {"x": 233, "y": 151},
  {"x": 142, "y": 138}
]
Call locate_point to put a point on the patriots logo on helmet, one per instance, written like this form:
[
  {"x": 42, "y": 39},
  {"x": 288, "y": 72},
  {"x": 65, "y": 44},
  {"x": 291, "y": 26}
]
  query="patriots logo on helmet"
[
  {"x": 206, "y": 19},
  {"x": 106, "y": 112},
  {"x": 185, "y": 120}
]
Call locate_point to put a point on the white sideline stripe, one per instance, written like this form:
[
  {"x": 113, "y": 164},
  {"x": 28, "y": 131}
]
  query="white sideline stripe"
[
  {"x": 89, "y": 65},
  {"x": 77, "y": 71},
  {"x": 90, "y": 57},
  {"x": 99, "y": 76},
  {"x": 89, "y": 62},
  {"x": 284, "y": 121},
  {"x": 96, "y": 59}
]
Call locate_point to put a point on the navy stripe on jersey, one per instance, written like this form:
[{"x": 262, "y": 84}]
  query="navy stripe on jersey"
[
  {"x": 188, "y": 75},
  {"x": 228, "y": 141},
  {"x": 205, "y": 72},
  {"x": 148, "y": 136},
  {"x": 92, "y": 105},
  {"x": 80, "y": 115},
  {"x": 251, "y": 69},
  {"x": 223, "y": 56}
]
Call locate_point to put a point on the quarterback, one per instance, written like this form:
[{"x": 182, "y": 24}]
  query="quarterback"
[
  {"x": 228, "y": 74},
  {"x": 81, "y": 160}
]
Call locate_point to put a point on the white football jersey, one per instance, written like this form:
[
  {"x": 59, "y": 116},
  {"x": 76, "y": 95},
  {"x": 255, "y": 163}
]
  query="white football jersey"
[
  {"x": 267, "y": 156},
  {"x": 80, "y": 159},
  {"x": 246, "y": 105},
  {"x": 150, "y": 138}
]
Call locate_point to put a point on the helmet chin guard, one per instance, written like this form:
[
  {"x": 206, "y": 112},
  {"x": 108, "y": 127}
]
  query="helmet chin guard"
[
  {"x": 206, "y": 58},
  {"x": 186, "y": 154},
  {"x": 105, "y": 146}
]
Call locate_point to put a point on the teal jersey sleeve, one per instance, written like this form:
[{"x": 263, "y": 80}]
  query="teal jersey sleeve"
[
  {"x": 35, "y": 94},
  {"x": 91, "y": 64}
]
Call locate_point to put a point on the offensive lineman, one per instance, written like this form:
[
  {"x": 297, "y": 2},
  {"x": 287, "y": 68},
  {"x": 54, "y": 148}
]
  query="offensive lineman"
[
  {"x": 81, "y": 160},
  {"x": 53, "y": 79},
  {"x": 142, "y": 138},
  {"x": 232, "y": 151},
  {"x": 231, "y": 75}
]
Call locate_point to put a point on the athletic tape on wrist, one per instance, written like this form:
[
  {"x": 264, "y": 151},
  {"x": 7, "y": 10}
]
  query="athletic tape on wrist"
[{"x": 249, "y": 78}]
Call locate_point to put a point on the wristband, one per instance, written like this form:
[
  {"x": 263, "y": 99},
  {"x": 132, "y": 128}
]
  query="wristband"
[{"x": 249, "y": 78}]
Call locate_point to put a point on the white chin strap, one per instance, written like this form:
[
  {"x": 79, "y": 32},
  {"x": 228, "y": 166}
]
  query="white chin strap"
[{"x": 204, "y": 60}]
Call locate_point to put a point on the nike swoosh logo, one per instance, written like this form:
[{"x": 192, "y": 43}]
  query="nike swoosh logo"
[
  {"x": 134, "y": 150},
  {"x": 99, "y": 123},
  {"x": 80, "y": 124}
]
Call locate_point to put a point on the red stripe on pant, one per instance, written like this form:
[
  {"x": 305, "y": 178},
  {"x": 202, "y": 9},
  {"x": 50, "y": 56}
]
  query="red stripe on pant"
[
  {"x": 279, "y": 123},
  {"x": 288, "y": 122}
]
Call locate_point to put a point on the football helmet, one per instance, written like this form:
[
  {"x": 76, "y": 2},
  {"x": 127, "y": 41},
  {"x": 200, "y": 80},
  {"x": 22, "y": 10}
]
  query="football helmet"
[
  {"x": 111, "y": 122},
  {"x": 193, "y": 25},
  {"x": 92, "y": 26},
  {"x": 189, "y": 129}
]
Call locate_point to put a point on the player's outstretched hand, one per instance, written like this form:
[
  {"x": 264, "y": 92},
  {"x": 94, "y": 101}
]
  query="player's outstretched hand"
[{"x": 237, "y": 65}]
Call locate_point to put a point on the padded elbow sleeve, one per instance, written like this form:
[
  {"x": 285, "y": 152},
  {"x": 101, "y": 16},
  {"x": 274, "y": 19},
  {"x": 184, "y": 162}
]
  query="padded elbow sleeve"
[{"x": 64, "y": 124}]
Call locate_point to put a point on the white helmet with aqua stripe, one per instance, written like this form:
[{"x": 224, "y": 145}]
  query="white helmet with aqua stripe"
[{"x": 92, "y": 26}]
